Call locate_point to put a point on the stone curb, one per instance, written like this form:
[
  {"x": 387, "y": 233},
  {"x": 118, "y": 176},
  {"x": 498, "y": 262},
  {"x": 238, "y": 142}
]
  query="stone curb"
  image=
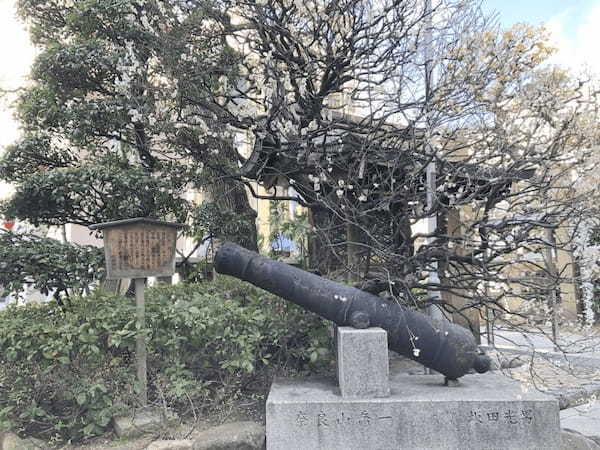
[
  {"x": 573, "y": 440},
  {"x": 231, "y": 436},
  {"x": 143, "y": 421},
  {"x": 171, "y": 445},
  {"x": 10, "y": 441}
]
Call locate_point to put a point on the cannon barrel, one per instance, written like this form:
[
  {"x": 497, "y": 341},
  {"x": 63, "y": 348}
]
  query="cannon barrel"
[{"x": 439, "y": 345}]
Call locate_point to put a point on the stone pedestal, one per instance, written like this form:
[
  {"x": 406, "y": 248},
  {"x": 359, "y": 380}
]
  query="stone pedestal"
[
  {"x": 362, "y": 362},
  {"x": 483, "y": 412},
  {"x": 367, "y": 410}
]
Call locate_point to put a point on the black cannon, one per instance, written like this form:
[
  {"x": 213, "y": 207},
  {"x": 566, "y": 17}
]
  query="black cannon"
[{"x": 441, "y": 346}]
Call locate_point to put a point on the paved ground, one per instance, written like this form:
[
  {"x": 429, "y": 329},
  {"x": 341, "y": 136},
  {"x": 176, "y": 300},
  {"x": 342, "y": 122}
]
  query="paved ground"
[
  {"x": 579, "y": 346},
  {"x": 584, "y": 342}
]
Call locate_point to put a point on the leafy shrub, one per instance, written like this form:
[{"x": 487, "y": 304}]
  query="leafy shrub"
[
  {"x": 66, "y": 373},
  {"x": 59, "y": 370},
  {"x": 47, "y": 264}
]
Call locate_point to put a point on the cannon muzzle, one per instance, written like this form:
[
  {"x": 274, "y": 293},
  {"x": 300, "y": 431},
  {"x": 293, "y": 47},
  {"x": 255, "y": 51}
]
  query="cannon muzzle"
[{"x": 441, "y": 346}]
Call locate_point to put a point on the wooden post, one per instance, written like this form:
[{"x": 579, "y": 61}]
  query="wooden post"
[
  {"x": 140, "y": 342},
  {"x": 138, "y": 248}
]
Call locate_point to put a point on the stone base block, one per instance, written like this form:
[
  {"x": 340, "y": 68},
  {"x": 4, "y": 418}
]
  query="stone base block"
[
  {"x": 483, "y": 412},
  {"x": 363, "y": 362}
]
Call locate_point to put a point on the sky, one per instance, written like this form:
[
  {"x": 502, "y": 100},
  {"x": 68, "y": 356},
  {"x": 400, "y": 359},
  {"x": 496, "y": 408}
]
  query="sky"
[
  {"x": 16, "y": 54},
  {"x": 574, "y": 27}
]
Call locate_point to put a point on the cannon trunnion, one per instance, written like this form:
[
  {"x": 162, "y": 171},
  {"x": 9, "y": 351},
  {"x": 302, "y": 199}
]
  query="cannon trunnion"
[{"x": 439, "y": 345}]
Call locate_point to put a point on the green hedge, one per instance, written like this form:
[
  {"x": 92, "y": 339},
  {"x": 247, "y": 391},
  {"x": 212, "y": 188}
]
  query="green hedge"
[{"x": 65, "y": 374}]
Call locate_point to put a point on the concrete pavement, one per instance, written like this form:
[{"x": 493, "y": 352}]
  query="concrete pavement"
[
  {"x": 582, "y": 348},
  {"x": 584, "y": 343}
]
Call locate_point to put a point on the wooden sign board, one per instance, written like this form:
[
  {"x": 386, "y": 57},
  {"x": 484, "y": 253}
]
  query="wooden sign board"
[{"x": 139, "y": 248}]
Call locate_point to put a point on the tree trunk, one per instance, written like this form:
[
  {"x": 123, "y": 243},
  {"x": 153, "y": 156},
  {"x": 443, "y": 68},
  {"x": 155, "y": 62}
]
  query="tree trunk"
[
  {"x": 324, "y": 254},
  {"x": 230, "y": 194},
  {"x": 353, "y": 252}
]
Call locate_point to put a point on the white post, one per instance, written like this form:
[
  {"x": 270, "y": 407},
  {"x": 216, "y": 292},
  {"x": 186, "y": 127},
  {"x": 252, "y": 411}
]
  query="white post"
[
  {"x": 550, "y": 260},
  {"x": 489, "y": 313},
  {"x": 433, "y": 278},
  {"x": 140, "y": 342}
]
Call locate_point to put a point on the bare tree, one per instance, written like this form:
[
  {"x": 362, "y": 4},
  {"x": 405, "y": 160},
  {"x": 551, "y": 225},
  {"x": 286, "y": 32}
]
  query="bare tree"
[{"x": 354, "y": 102}]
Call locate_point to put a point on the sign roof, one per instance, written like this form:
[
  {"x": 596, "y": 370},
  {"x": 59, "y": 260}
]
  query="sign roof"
[{"x": 135, "y": 221}]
